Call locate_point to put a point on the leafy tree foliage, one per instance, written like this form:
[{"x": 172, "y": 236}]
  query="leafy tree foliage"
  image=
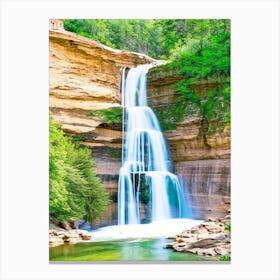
[
  {"x": 206, "y": 60},
  {"x": 200, "y": 49},
  {"x": 75, "y": 190},
  {"x": 225, "y": 258},
  {"x": 138, "y": 35}
]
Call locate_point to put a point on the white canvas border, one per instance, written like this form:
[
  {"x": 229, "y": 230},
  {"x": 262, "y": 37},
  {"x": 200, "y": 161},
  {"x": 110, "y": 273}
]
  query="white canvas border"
[{"x": 24, "y": 138}]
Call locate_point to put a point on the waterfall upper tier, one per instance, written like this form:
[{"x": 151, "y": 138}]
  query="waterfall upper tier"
[{"x": 135, "y": 87}]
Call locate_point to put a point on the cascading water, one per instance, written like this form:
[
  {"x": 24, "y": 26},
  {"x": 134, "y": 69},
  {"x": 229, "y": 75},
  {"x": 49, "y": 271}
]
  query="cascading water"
[{"x": 148, "y": 191}]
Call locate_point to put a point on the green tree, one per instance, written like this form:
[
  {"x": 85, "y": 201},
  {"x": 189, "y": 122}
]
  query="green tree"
[
  {"x": 198, "y": 48},
  {"x": 208, "y": 63},
  {"x": 91, "y": 28},
  {"x": 173, "y": 32},
  {"x": 139, "y": 35},
  {"x": 75, "y": 190}
]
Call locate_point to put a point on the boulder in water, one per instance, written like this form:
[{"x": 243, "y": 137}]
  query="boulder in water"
[{"x": 59, "y": 236}]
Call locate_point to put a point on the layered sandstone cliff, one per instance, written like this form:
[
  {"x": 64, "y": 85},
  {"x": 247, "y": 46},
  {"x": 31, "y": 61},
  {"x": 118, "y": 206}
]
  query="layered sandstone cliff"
[
  {"x": 201, "y": 159},
  {"x": 85, "y": 76},
  {"x": 191, "y": 139}
]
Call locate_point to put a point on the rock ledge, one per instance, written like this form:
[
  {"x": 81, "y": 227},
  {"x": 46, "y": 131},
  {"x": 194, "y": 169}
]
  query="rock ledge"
[
  {"x": 209, "y": 238},
  {"x": 60, "y": 236}
]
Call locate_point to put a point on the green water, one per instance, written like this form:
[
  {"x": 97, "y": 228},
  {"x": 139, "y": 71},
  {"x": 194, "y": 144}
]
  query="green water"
[{"x": 125, "y": 250}]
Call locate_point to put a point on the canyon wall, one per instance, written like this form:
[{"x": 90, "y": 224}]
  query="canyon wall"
[
  {"x": 85, "y": 76},
  {"x": 201, "y": 159}
]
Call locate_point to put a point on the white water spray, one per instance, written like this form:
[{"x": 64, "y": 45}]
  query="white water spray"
[{"x": 148, "y": 191}]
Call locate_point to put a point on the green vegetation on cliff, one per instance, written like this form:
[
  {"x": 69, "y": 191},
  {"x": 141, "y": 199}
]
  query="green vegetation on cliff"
[
  {"x": 169, "y": 115},
  {"x": 201, "y": 58},
  {"x": 110, "y": 115},
  {"x": 139, "y": 35},
  {"x": 75, "y": 191},
  {"x": 205, "y": 69},
  {"x": 199, "y": 50}
]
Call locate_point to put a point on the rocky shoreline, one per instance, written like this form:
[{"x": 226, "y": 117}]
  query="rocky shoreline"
[
  {"x": 61, "y": 236},
  {"x": 62, "y": 232},
  {"x": 211, "y": 238}
]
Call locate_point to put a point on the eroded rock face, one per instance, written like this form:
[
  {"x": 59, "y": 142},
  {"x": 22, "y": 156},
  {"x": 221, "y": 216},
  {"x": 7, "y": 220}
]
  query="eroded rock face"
[
  {"x": 108, "y": 163},
  {"x": 201, "y": 159},
  {"x": 85, "y": 76},
  {"x": 60, "y": 236},
  {"x": 209, "y": 238},
  {"x": 186, "y": 142},
  {"x": 208, "y": 186},
  {"x": 190, "y": 140}
]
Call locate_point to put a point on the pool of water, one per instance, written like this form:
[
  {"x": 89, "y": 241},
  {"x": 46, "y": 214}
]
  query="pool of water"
[{"x": 129, "y": 250}]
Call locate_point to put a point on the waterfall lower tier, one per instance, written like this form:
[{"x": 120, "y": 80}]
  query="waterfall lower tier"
[
  {"x": 158, "y": 193},
  {"x": 148, "y": 191}
]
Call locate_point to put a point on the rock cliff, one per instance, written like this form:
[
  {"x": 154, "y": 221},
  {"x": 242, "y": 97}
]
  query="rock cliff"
[
  {"x": 200, "y": 158},
  {"x": 212, "y": 238},
  {"x": 190, "y": 140},
  {"x": 85, "y": 76}
]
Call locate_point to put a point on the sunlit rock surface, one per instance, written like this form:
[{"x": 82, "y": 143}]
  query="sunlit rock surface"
[
  {"x": 210, "y": 238},
  {"x": 201, "y": 159},
  {"x": 85, "y": 76}
]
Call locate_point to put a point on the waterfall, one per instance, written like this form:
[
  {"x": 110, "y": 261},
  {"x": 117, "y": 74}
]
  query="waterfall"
[{"x": 148, "y": 191}]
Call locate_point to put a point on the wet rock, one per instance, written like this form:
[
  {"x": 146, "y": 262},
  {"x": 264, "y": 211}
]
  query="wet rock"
[
  {"x": 58, "y": 237},
  {"x": 210, "y": 219},
  {"x": 209, "y": 238},
  {"x": 193, "y": 250},
  {"x": 54, "y": 241},
  {"x": 65, "y": 225},
  {"x": 195, "y": 230},
  {"x": 74, "y": 224},
  {"x": 85, "y": 235},
  {"x": 202, "y": 235},
  {"x": 169, "y": 246}
]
